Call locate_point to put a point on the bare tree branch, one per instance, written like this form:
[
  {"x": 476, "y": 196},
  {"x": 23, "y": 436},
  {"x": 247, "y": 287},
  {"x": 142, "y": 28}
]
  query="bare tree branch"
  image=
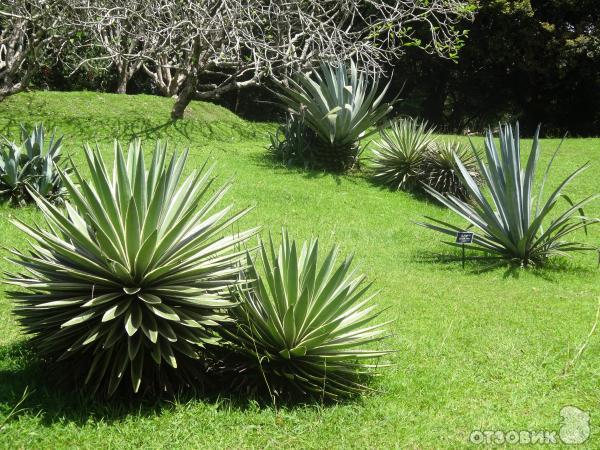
[
  {"x": 116, "y": 33},
  {"x": 205, "y": 48},
  {"x": 27, "y": 27},
  {"x": 239, "y": 43}
]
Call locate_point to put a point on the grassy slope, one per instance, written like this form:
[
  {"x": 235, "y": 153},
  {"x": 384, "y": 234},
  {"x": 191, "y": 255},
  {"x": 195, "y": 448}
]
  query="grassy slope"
[{"x": 475, "y": 350}]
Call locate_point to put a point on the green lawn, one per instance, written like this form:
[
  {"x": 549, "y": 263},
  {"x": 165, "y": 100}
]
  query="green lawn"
[{"x": 474, "y": 350}]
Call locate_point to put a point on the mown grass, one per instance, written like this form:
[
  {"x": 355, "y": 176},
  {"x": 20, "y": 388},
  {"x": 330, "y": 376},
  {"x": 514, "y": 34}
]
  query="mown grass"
[{"x": 475, "y": 349}]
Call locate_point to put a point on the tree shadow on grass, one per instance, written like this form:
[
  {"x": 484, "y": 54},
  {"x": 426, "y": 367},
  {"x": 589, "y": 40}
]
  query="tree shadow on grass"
[
  {"x": 267, "y": 161},
  {"x": 125, "y": 129},
  {"x": 24, "y": 377},
  {"x": 478, "y": 264}
]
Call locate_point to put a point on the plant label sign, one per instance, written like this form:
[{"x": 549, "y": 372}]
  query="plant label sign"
[{"x": 464, "y": 237}]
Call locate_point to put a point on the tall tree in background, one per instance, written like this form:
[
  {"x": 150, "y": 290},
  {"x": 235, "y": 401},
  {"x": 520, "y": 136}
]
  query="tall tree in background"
[
  {"x": 240, "y": 43},
  {"x": 27, "y": 27},
  {"x": 532, "y": 60},
  {"x": 115, "y": 34}
]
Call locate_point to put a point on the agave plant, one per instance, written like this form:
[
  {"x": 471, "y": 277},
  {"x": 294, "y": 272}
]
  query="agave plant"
[
  {"x": 509, "y": 220},
  {"x": 31, "y": 166},
  {"x": 399, "y": 156},
  {"x": 291, "y": 144},
  {"x": 441, "y": 172},
  {"x": 129, "y": 281},
  {"x": 341, "y": 107},
  {"x": 304, "y": 326}
]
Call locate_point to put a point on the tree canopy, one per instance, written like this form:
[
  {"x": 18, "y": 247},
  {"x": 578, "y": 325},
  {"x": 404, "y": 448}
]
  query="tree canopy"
[{"x": 531, "y": 60}]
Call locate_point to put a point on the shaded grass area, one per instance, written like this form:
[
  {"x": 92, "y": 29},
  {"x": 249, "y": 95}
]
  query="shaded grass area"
[
  {"x": 476, "y": 349},
  {"x": 95, "y": 117}
]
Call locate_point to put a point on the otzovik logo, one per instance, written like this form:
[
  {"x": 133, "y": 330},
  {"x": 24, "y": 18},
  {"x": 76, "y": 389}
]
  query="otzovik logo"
[{"x": 574, "y": 429}]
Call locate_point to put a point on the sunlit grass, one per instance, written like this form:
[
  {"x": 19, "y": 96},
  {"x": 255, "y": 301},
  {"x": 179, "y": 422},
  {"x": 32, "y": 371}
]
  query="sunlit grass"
[{"x": 476, "y": 350}]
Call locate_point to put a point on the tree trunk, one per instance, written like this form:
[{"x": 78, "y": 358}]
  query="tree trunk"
[
  {"x": 173, "y": 88},
  {"x": 11, "y": 89},
  {"x": 185, "y": 97},
  {"x": 122, "y": 82}
]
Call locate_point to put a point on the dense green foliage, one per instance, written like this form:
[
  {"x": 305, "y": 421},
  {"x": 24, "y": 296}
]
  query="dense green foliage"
[
  {"x": 528, "y": 60},
  {"x": 510, "y": 223},
  {"x": 127, "y": 282},
  {"x": 31, "y": 166},
  {"x": 304, "y": 323},
  {"x": 340, "y": 105},
  {"x": 486, "y": 350}
]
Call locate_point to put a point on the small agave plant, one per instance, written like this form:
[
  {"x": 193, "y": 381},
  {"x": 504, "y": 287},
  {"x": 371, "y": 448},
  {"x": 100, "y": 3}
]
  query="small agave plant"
[
  {"x": 31, "y": 166},
  {"x": 129, "y": 281},
  {"x": 441, "y": 171},
  {"x": 341, "y": 107},
  {"x": 292, "y": 142},
  {"x": 304, "y": 326},
  {"x": 509, "y": 219},
  {"x": 400, "y": 154}
]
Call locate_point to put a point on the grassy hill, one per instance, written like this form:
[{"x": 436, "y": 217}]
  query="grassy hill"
[
  {"x": 92, "y": 116},
  {"x": 476, "y": 349}
]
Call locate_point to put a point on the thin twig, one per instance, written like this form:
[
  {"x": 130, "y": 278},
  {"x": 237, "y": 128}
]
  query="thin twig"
[
  {"x": 16, "y": 409},
  {"x": 571, "y": 363}
]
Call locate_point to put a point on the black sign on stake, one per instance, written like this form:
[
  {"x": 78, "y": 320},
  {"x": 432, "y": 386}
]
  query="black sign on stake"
[{"x": 464, "y": 237}]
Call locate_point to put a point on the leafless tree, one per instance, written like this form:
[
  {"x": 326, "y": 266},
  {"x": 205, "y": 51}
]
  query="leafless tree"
[
  {"x": 238, "y": 43},
  {"x": 205, "y": 48},
  {"x": 27, "y": 28},
  {"x": 115, "y": 35},
  {"x": 166, "y": 74}
]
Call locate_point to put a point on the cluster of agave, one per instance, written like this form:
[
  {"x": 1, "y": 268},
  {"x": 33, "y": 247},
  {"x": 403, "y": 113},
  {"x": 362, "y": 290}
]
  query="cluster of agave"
[
  {"x": 510, "y": 218},
  {"x": 138, "y": 279},
  {"x": 333, "y": 108},
  {"x": 340, "y": 106},
  {"x": 31, "y": 166},
  {"x": 408, "y": 156}
]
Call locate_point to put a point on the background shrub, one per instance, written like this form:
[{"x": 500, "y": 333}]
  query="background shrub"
[
  {"x": 31, "y": 166},
  {"x": 292, "y": 143},
  {"x": 441, "y": 171},
  {"x": 399, "y": 155}
]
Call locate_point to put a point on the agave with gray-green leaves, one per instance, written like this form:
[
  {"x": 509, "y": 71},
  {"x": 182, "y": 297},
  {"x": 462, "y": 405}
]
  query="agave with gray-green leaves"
[
  {"x": 509, "y": 219},
  {"x": 440, "y": 171},
  {"x": 292, "y": 142},
  {"x": 303, "y": 326},
  {"x": 31, "y": 166},
  {"x": 341, "y": 106},
  {"x": 128, "y": 281},
  {"x": 400, "y": 154}
]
